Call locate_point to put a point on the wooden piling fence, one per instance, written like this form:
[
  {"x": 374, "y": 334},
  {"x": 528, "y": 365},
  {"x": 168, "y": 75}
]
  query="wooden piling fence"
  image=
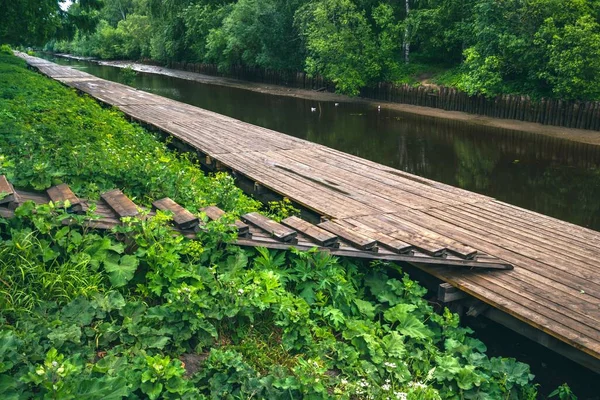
[{"x": 570, "y": 114}]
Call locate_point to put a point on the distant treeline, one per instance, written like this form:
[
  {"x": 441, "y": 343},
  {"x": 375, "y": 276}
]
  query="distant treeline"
[{"x": 543, "y": 48}]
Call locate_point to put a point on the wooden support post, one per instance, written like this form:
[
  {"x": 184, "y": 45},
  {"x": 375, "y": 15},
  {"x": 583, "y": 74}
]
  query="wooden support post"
[
  {"x": 477, "y": 309},
  {"x": 219, "y": 166},
  {"x": 259, "y": 189},
  {"x": 448, "y": 293}
]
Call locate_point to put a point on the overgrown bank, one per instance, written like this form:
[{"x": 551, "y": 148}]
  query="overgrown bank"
[{"x": 91, "y": 315}]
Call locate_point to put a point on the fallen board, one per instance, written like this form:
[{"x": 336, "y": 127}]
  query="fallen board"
[{"x": 183, "y": 218}]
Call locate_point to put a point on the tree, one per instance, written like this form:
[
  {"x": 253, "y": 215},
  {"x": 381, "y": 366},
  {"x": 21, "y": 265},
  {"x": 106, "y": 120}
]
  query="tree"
[
  {"x": 573, "y": 54},
  {"x": 339, "y": 42},
  {"x": 31, "y": 22},
  {"x": 257, "y": 33}
]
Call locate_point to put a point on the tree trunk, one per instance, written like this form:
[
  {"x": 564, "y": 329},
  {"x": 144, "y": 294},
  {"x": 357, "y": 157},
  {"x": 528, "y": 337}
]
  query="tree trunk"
[
  {"x": 406, "y": 44},
  {"x": 122, "y": 11}
]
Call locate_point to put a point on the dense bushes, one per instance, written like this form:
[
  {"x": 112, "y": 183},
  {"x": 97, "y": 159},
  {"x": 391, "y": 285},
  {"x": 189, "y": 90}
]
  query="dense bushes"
[
  {"x": 540, "y": 47},
  {"x": 140, "y": 313}
]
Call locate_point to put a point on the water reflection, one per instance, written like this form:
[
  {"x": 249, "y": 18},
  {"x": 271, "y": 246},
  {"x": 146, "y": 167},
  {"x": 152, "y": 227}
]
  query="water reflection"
[{"x": 551, "y": 176}]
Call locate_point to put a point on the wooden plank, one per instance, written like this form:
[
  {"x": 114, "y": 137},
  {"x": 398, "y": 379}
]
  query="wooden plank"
[
  {"x": 316, "y": 234},
  {"x": 536, "y": 272},
  {"x": 394, "y": 229},
  {"x": 357, "y": 239},
  {"x": 120, "y": 203},
  {"x": 7, "y": 189},
  {"x": 534, "y": 253},
  {"x": 215, "y": 213},
  {"x": 526, "y": 238},
  {"x": 416, "y": 259},
  {"x": 276, "y": 230},
  {"x": 182, "y": 218},
  {"x": 62, "y": 193},
  {"x": 387, "y": 242}
]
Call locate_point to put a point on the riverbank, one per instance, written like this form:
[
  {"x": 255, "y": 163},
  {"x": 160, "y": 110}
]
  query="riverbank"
[{"x": 577, "y": 135}]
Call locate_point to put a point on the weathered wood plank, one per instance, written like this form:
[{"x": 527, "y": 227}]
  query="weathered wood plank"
[
  {"x": 387, "y": 242},
  {"x": 357, "y": 239},
  {"x": 276, "y": 230},
  {"x": 62, "y": 193},
  {"x": 182, "y": 218},
  {"x": 120, "y": 203},
  {"x": 318, "y": 235},
  {"x": 7, "y": 191}
]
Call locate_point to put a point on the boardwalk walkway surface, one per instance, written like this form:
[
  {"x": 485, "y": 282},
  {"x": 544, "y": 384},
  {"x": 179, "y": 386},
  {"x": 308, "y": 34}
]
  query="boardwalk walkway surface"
[{"x": 555, "y": 284}]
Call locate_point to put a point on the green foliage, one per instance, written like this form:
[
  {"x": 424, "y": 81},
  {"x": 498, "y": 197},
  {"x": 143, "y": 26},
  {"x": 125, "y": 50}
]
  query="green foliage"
[
  {"x": 573, "y": 53},
  {"x": 128, "y": 74},
  {"x": 537, "y": 47},
  {"x": 292, "y": 324},
  {"x": 5, "y": 49},
  {"x": 29, "y": 22},
  {"x": 279, "y": 210},
  {"x": 58, "y": 136},
  {"x": 256, "y": 33},
  {"x": 339, "y": 42},
  {"x": 563, "y": 392}
]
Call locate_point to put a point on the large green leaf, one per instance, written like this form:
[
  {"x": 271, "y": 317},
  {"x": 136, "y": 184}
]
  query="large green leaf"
[{"x": 120, "y": 269}]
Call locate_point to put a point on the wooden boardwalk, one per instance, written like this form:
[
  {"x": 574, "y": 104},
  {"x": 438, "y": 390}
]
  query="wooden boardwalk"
[{"x": 555, "y": 284}]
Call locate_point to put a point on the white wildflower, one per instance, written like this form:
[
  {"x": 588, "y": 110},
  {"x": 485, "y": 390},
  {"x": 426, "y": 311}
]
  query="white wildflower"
[
  {"x": 390, "y": 365},
  {"x": 401, "y": 395},
  {"x": 240, "y": 291},
  {"x": 386, "y": 387}
]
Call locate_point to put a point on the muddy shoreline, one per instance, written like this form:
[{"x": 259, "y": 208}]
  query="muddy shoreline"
[{"x": 577, "y": 135}]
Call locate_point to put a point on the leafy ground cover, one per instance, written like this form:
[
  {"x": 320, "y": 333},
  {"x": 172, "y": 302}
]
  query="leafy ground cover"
[{"x": 140, "y": 313}]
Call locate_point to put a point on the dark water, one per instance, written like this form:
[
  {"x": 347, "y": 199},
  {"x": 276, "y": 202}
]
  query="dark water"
[{"x": 551, "y": 176}]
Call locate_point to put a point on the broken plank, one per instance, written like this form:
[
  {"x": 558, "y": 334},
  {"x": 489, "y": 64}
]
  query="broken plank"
[
  {"x": 276, "y": 230},
  {"x": 355, "y": 238},
  {"x": 316, "y": 234},
  {"x": 7, "y": 191},
  {"x": 120, "y": 203},
  {"x": 214, "y": 213},
  {"x": 182, "y": 218},
  {"x": 386, "y": 241},
  {"x": 62, "y": 193}
]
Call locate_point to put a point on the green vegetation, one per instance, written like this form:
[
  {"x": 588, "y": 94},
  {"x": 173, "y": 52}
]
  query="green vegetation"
[
  {"x": 140, "y": 313},
  {"x": 538, "y": 47}
]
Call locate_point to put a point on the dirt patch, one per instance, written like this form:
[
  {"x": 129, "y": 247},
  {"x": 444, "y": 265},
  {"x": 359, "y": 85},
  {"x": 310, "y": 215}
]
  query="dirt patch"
[
  {"x": 192, "y": 362},
  {"x": 578, "y": 135}
]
